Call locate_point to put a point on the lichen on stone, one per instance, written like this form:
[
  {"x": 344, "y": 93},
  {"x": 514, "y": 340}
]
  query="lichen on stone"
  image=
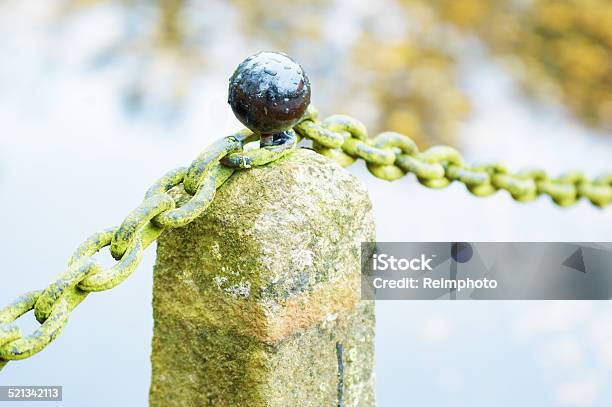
[{"x": 251, "y": 298}]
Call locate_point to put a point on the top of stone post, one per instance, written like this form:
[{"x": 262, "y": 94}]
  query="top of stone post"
[{"x": 271, "y": 234}]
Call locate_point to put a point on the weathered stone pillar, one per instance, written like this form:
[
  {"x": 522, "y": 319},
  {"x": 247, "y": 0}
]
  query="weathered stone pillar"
[{"x": 257, "y": 303}]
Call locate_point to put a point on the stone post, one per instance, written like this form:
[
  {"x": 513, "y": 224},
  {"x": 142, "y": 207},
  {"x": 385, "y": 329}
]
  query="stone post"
[{"x": 257, "y": 303}]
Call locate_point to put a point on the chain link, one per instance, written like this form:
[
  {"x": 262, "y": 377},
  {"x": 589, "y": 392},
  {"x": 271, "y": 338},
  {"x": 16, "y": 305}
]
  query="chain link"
[
  {"x": 391, "y": 156},
  {"x": 388, "y": 156},
  {"x": 127, "y": 242}
]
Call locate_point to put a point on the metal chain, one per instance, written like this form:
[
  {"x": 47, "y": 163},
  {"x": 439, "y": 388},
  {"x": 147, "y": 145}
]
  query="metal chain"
[
  {"x": 389, "y": 156},
  {"x": 84, "y": 274}
]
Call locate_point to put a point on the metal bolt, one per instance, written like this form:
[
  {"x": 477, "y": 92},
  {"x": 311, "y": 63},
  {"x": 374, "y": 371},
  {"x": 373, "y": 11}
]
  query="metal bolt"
[{"x": 269, "y": 93}]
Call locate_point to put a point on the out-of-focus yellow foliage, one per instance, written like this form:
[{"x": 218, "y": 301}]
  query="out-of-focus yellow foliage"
[
  {"x": 283, "y": 23},
  {"x": 563, "y": 47},
  {"x": 560, "y": 49},
  {"x": 408, "y": 79},
  {"x": 415, "y": 85}
]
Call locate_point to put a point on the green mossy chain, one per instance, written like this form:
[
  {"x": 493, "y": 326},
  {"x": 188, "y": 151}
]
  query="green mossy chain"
[
  {"x": 127, "y": 242},
  {"x": 391, "y": 156},
  {"x": 388, "y": 156}
]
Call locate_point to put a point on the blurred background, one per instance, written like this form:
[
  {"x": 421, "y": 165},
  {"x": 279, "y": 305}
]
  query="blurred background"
[{"x": 98, "y": 98}]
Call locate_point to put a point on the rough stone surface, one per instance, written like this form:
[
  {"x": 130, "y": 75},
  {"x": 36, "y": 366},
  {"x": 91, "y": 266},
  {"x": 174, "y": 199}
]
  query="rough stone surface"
[{"x": 254, "y": 301}]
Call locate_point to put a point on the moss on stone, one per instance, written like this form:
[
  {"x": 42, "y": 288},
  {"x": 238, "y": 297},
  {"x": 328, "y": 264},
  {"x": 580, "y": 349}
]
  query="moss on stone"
[{"x": 252, "y": 299}]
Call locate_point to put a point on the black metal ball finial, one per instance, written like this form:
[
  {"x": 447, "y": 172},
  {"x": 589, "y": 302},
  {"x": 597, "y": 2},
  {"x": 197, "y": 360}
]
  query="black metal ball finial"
[{"x": 269, "y": 92}]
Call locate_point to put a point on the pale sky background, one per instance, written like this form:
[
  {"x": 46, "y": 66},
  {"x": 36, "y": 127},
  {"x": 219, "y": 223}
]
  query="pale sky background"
[{"x": 72, "y": 162}]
